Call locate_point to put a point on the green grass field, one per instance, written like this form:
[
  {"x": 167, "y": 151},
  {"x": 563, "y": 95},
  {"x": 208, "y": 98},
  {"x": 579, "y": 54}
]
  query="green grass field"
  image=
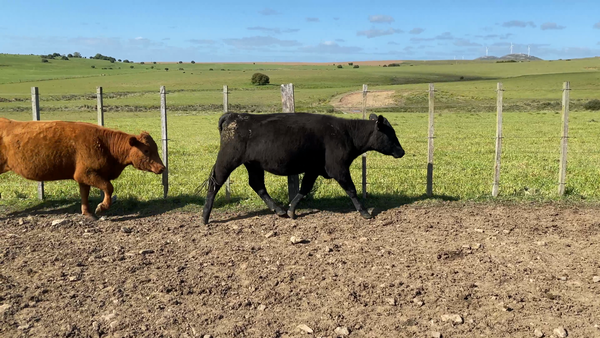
[{"x": 465, "y": 127}]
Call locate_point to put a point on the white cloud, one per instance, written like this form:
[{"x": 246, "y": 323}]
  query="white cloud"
[
  {"x": 202, "y": 41},
  {"x": 381, "y": 19},
  {"x": 260, "y": 41},
  {"x": 597, "y": 25},
  {"x": 330, "y": 47},
  {"x": 551, "y": 25},
  {"x": 517, "y": 23},
  {"x": 416, "y": 30},
  {"x": 268, "y": 11},
  {"x": 373, "y": 33},
  {"x": 312, "y": 19}
]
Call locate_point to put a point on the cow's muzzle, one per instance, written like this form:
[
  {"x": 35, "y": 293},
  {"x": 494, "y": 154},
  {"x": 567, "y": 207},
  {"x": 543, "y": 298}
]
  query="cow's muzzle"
[
  {"x": 158, "y": 169},
  {"x": 398, "y": 153}
]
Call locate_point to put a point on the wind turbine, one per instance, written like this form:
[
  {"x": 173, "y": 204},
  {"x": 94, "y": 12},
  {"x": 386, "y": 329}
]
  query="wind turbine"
[
  {"x": 511, "y": 48},
  {"x": 528, "y": 50},
  {"x": 486, "y": 51}
]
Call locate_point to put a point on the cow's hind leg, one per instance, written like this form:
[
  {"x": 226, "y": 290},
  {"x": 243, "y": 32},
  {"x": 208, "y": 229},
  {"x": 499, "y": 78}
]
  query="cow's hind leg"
[
  {"x": 84, "y": 191},
  {"x": 256, "y": 178},
  {"x": 345, "y": 181},
  {"x": 308, "y": 181},
  {"x": 218, "y": 176}
]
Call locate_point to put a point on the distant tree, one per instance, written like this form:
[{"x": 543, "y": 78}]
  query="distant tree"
[
  {"x": 64, "y": 58},
  {"x": 340, "y": 66},
  {"x": 70, "y": 55},
  {"x": 56, "y": 55},
  {"x": 77, "y": 55},
  {"x": 355, "y": 66},
  {"x": 142, "y": 63},
  {"x": 180, "y": 62},
  {"x": 125, "y": 61},
  {"x": 350, "y": 63},
  {"x": 154, "y": 62},
  {"x": 259, "y": 79},
  {"x": 119, "y": 60},
  {"x": 193, "y": 61}
]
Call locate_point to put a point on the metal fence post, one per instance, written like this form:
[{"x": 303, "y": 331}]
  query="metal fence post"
[
  {"x": 35, "y": 107},
  {"x": 496, "y": 185},
  {"x": 165, "y": 147},
  {"x": 364, "y": 156},
  {"x": 430, "y": 142},
  {"x": 225, "y": 110}
]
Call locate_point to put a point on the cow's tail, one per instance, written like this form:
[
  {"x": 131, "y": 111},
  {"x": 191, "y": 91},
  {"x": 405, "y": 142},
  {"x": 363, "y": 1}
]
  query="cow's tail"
[{"x": 209, "y": 183}]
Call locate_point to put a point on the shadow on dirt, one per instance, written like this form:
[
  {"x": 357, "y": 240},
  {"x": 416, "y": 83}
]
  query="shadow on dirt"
[{"x": 131, "y": 208}]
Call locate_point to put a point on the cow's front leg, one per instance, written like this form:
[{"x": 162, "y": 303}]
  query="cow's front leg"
[
  {"x": 108, "y": 189},
  {"x": 84, "y": 191},
  {"x": 308, "y": 181},
  {"x": 345, "y": 181}
]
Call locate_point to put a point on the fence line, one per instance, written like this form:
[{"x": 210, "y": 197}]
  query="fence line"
[{"x": 288, "y": 105}]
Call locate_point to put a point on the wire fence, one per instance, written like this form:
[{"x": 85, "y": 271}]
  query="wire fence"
[{"x": 531, "y": 159}]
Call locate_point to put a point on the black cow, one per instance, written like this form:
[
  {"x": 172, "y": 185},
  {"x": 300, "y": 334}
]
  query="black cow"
[{"x": 290, "y": 144}]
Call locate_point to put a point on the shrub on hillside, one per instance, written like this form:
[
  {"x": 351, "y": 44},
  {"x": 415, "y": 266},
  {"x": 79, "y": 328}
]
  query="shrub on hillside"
[
  {"x": 355, "y": 66},
  {"x": 142, "y": 63},
  {"x": 350, "y": 63},
  {"x": 193, "y": 61},
  {"x": 260, "y": 79},
  {"x": 64, "y": 58},
  {"x": 340, "y": 66},
  {"x": 125, "y": 61},
  {"x": 180, "y": 62},
  {"x": 130, "y": 66},
  {"x": 44, "y": 60},
  {"x": 592, "y": 105},
  {"x": 93, "y": 66},
  {"x": 167, "y": 69}
]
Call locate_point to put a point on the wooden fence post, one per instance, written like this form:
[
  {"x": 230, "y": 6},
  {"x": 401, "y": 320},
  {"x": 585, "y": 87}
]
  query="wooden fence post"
[
  {"x": 225, "y": 110},
  {"x": 165, "y": 147},
  {"x": 496, "y": 185},
  {"x": 35, "y": 108},
  {"x": 364, "y": 156},
  {"x": 100, "y": 106},
  {"x": 562, "y": 175},
  {"x": 430, "y": 143},
  {"x": 287, "y": 101}
]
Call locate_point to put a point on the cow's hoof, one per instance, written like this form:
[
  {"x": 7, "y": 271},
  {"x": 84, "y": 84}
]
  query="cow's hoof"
[
  {"x": 99, "y": 209},
  {"x": 291, "y": 214},
  {"x": 366, "y": 215},
  {"x": 281, "y": 213},
  {"x": 91, "y": 217}
]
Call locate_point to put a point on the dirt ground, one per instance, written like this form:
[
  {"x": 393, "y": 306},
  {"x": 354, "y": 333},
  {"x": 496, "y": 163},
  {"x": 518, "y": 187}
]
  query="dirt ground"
[
  {"x": 454, "y": 269},
  {"x": 352, "y": 102}
]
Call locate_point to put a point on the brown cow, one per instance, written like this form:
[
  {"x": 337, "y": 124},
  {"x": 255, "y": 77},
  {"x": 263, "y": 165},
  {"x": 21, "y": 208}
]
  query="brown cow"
[{"x": 87, "y": 153}]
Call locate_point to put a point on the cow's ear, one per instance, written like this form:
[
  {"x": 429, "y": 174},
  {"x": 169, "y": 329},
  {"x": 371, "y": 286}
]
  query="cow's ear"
[
  {"x": 144, "y": 134},
  {"x": 373, "y": 117},
  {"x": 380, "y": 121},
  {"x": 133, "y": 141}
]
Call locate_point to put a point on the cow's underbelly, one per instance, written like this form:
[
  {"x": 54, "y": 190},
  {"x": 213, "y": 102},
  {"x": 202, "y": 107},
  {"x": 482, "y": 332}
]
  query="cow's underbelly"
[{"x": 42, "y": 164}]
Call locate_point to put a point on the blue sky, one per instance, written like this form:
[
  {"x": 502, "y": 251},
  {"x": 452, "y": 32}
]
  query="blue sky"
[{"x": 305, "y": 31}]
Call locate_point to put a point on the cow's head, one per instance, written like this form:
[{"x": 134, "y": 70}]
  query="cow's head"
[
  {"x": 144, "y": 153},
  {"x": 384, "y": 139}
]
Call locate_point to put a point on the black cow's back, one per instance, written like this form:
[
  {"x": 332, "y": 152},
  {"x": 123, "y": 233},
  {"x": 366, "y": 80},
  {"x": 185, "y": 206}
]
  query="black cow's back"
[{"x": 284, "y": 144}]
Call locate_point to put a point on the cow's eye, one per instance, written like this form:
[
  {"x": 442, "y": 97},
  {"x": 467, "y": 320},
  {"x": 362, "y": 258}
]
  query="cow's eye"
[{"x": 146, "y": 152}]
